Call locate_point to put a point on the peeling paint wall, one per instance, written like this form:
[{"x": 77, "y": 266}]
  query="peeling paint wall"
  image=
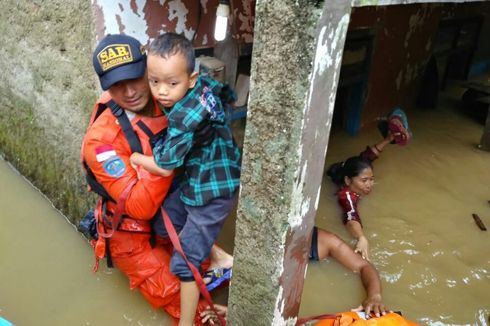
[{"x": 145, "y": 20}]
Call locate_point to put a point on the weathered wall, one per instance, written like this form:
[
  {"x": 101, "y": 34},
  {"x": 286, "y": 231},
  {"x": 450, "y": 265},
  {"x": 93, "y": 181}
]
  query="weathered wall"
[
  {"x": 404, "y": 37},
  {"x": 46, "y": 91},
  {"x": 481, "y": 59},
  {"x": 146, "y": 20}
]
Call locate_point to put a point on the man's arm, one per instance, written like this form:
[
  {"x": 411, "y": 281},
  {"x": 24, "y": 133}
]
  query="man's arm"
[
  {"x": 330, "y": 245},
  {"x": 148, "y": 191}
]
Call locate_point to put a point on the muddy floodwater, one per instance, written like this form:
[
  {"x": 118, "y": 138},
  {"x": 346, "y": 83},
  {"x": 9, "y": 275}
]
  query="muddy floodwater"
[
  {"x": 46, "y": 273},
  {"x": 433, "y": 260}
]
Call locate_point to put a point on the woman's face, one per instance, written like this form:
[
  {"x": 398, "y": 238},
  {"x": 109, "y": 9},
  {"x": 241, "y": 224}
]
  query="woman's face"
[{"x": 363, "y": 183}]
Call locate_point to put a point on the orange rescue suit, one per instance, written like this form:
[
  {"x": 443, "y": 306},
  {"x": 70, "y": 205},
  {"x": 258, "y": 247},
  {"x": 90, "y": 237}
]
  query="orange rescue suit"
[
  {"x": 353, "y": 319},
  {"x": 147, "y": 267}
]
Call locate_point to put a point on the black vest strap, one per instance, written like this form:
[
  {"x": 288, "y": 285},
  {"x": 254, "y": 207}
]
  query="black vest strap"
[{"x": 122, "y": 118}]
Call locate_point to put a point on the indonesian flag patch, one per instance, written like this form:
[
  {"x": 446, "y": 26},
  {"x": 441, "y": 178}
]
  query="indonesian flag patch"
[{"x": 104, "y": 152}]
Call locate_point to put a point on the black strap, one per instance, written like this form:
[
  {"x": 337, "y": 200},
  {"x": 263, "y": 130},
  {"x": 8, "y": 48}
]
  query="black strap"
[
  {"x": 125, "y": 124},
  {"x": 100, "y": 108},
  {"x": 94, "y": 184},
  {"x": 108, "y": 254}
]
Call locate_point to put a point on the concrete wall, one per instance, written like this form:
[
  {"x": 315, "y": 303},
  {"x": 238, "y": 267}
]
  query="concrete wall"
[{"x": 46, "y": 92}]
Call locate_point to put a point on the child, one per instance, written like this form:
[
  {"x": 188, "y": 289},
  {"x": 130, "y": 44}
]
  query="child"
[
  {"x": 355, "y": 176},
  {"x": 211, "y": 164}
]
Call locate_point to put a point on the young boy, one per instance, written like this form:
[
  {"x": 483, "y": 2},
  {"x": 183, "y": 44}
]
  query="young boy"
[{"x": 211, "y": 164}]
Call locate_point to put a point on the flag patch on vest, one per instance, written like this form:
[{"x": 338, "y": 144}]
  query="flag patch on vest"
[
  {"x": 104, "y": 152},
  {"x": 114, "y": 166}
]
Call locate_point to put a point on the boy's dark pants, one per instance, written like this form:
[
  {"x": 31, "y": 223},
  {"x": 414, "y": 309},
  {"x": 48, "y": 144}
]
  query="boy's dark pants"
[{"x": 197, "y": 226}]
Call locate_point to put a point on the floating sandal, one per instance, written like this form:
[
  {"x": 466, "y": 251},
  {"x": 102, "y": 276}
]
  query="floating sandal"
[
  {"x": 396, "y": 124},
  {"x": 217, "y": 276}
]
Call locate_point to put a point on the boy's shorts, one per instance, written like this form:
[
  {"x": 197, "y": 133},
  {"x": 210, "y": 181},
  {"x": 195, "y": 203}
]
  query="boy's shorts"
[{"x": 197, "y": 226}]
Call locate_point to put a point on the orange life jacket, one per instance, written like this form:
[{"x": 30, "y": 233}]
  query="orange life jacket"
[{"x": 353, "y": 319}]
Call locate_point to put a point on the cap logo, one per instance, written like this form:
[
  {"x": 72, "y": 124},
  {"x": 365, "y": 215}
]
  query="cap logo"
[{"x": 114, "y": 55}]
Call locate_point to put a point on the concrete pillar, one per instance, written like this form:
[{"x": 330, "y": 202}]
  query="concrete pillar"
[{"x": 295, "y": 68}]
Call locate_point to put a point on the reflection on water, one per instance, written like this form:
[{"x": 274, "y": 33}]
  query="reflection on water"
[
  {"x": 433, "y": 260},
  {"x": 45, "y": 268}
]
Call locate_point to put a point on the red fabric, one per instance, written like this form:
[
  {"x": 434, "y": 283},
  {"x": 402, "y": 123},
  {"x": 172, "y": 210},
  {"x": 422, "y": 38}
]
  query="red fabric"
[
  {"x": 402, "y": 135},
  {"x": 348, "y": 200}
]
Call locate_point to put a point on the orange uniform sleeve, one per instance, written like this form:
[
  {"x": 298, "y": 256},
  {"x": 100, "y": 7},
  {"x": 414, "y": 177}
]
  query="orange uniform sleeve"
[{"x": 107, "y": 154}]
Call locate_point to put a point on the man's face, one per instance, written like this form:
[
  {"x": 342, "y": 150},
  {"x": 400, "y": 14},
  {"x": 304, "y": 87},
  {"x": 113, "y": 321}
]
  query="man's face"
[
  {"x": 169, "y": 78},
  {"x": 131, "y": 94}
]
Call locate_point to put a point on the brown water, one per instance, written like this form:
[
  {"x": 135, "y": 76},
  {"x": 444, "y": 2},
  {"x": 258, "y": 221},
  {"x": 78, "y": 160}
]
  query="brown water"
[
  {"x": 433, "y": 260},
  {"x": 45, "y": 268}
]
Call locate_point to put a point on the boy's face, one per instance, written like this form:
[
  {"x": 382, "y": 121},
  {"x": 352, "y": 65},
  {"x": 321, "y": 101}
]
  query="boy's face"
[{"x": 169, "y": 79}]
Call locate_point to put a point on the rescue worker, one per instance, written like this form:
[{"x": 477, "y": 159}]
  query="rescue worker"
[{"x": 120, "y": 63}]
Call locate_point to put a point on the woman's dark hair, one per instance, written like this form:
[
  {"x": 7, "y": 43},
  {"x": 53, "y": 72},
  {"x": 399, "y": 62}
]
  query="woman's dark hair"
[{"x": 351, "y": 168}]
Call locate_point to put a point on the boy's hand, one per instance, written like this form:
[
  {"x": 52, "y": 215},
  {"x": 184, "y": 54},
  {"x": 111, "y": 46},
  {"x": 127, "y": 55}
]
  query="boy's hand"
[{"x": 134, "y": 160}]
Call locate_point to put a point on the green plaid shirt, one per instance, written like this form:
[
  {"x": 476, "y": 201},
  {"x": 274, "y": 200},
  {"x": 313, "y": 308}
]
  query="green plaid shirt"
[{"x": 212, "y": 170}]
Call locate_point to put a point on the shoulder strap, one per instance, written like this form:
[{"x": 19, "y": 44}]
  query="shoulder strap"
[
  {"x": 129, "y": 133},
  {"x": 172, "y": 233},
  {"x": 133, "y": 140}
]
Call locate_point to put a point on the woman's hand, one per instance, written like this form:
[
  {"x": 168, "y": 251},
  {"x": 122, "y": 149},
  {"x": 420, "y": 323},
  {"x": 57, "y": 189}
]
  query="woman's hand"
[
  {"x": 208, "y": 315},
  {"x": 362, "y": 247}
]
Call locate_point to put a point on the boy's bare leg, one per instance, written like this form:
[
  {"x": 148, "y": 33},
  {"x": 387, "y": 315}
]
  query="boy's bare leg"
[
  {"x": 220, "y": 258},
  {"x": 189, "y": 299}
]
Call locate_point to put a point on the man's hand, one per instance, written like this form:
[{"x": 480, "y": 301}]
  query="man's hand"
[
  {"x": 362, "y": 248},
  {"x": 208, "y": 315},
  {"x": 373, "y": 304}
]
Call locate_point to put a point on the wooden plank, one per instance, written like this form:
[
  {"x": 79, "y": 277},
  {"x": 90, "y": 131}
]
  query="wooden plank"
[{"x": 479, "y": 222}]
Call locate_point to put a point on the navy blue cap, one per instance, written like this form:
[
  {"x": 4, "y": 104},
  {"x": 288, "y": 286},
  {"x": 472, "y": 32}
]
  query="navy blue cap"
[{"x": 118, "y": 57}]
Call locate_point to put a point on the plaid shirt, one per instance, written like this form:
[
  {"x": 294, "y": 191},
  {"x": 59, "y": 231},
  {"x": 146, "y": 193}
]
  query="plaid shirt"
[{"x": 212, "y": 170}]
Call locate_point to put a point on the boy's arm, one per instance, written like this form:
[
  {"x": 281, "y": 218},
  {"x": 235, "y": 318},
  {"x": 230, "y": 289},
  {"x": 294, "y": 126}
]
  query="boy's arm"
[{"x": 149, "y": 164}]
